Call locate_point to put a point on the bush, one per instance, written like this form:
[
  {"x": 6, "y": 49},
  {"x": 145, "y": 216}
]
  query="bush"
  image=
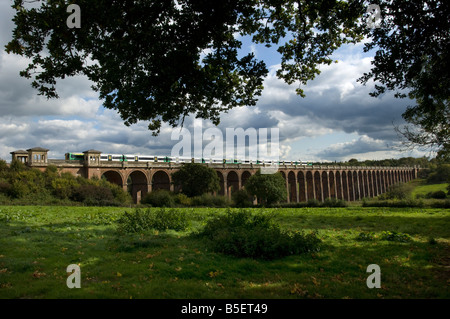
[
  {"x": 5, "y": 187},
  {"x": 440, "y": 175},
  {"x": 440, "y": 204},
  {"x": 243, "y": 234},
  {"x": 397, "y": 191},
  {"x": 159, "y": 198},
  {"x": 394, "y": 236},
  {"x": 208, "y": 200},
  {"x": 437, "y": 195},
  {"x": 93, "y": 195},
  {"x": 366, "y": 236},
  {"x": 144, "y": 220},
  {"x": 63, "y": 187},
  {"x": 120, "y": 196},
  {"x": 183, "y": 200},
  {"x": 241, "y": 198},
  {"x": 334, "y": 202},
  {"x": 394, "y": 203}
]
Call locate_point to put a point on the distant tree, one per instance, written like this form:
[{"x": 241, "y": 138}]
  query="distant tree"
[
  {"x": 3, "y": 165},
  {"x": 268, "y": 188},
  {"x": 440, "y": 174},
  {"x": 17, "y": 166},
  {"x": 196, "y": 179}
]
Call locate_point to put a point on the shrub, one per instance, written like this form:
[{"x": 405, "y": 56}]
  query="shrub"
[
  {"x": 183, "y": 200},
  {"x": 394, "y": 236},
  {"x": 208, "y": 200},
  {"x": 243, "y": 234},
  {"x": 334, "y": 202},
  {"x": 220, "y": 201},
  {"x": 93, "y": 195},
  {"x": 440, "y": 204},
  {"x": 440, "y": 175},
  {"x": 120, "y": 196},
  {"x": 312, "y": 202},
  {"x": 366, "y": 236},
  {"x": 3, "y": 167},
  {"x": 241, "y": 198},
  {"x": 437, "y": 195},
  {"x": 159, "y": 198},
  {"x": 5, "y": 187},
  {"x": 397, "y": 191},
  {"x": 18, "y": 189},
  {"x": 63, "y": 187},
  {"x": 394, "y": 203},
  {"x": 144, "y": 220}
]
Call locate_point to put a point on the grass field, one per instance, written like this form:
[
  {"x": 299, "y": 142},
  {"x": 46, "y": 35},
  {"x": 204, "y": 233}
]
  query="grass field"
[
  {"x": 421, "y": 188},
  {"x": 38, "y": 243}
]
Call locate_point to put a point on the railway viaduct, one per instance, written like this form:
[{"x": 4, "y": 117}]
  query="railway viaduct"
[{"x": 349, "y": 183}]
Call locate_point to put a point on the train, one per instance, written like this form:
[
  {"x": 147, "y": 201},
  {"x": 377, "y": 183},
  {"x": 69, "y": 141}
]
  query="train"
[{"x": 171, "y": 159}]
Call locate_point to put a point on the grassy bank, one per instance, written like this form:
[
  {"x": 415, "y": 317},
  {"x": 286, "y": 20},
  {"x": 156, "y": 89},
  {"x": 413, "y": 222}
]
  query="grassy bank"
[
  {"x": 38, "y": 243},
  {"x": 421, "y": 188}
]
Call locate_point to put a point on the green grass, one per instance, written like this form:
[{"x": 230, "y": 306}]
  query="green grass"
[
  {"x": 421, "y": 188},
  {"x": 38, "y": 243}
]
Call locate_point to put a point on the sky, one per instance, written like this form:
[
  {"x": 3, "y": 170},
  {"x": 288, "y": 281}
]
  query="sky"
[{"x": 336, "y": 121}]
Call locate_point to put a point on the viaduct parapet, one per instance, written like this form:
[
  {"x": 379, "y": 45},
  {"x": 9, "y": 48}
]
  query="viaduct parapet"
[{"x": 303, "y": 182}]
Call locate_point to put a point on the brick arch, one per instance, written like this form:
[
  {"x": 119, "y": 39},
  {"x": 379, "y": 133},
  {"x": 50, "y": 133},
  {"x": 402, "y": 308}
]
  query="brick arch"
[
  {"x": 338, "y": 185},
  {"x": 366, "y": 183},
  {"x": 137, "y": 182},
  {"x": 332, "y": 184},
  {"x": 302, "y": 187},
  {"x": 375, "y": 184},
  {"x": 232, "y": 182},
  {"x": 161, "y": 180},
  {"x": 221, "y": 183},
  {"x": 325, "y": 185},
  {"x": 361, "y": 185},
  {"x": 318, "y": 186},
  {"x": 350, "y": 186},
  {"x": 356, "y": 187},
  {"x": 310, "y": 187},
  {"x": 292, "y": 187},
  {"x": 114, "y": 176},
  {"x": 345, "y": 188},
  {"x": 244, "y": 177}
]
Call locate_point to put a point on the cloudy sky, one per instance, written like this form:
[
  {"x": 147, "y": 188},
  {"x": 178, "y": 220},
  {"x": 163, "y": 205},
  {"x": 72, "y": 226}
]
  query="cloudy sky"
[{"x": 337, "y": 120}]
